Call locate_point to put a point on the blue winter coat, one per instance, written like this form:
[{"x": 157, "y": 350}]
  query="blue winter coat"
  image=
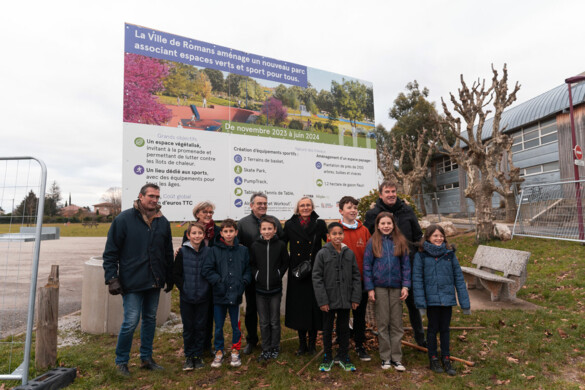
[
  {"x": 435, "y": 279},
  {"x": 227, "y": 269},
  {"x": 389, "y": 270},
  {"x": 188, "y": 273}
]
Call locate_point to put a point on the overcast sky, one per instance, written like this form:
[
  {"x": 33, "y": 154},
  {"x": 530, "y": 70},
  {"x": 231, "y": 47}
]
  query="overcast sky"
[{"x": 61, "y": 72}]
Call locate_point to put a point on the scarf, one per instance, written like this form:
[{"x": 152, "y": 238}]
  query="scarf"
[
  {"x": 210, "y": 230},
  {"x": 435, "y": 250},
  {"x": 148, "y": 221}
]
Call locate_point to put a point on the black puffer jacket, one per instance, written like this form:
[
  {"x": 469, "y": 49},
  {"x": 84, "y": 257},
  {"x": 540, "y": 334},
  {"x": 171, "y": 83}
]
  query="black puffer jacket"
[{"x": 269, "y": 262}]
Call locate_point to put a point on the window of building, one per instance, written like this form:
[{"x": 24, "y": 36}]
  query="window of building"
[
  {"x": 450, "y": 186},
  {"x": 540, "y": 134},
  {"x": 446, "y": 165},
  {"x": 538, "y": 169}
]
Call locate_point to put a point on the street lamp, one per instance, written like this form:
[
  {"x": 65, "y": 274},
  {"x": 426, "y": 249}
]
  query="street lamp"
[{"x": 570, "y": 81}]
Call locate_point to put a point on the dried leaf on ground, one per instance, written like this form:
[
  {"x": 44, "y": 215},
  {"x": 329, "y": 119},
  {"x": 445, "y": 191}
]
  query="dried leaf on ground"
[
  {"x": 562, "y": 333},
  {"x": 512, "y": 360}
]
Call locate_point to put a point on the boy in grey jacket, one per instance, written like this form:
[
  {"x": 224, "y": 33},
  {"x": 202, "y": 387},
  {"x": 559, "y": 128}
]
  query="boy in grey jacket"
[{"x": 337, "y": 285}]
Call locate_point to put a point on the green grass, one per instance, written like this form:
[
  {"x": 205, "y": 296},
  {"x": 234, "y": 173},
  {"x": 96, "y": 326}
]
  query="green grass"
[
  {"x": 516, "y": 349},
  {"x": 78, "y": 230}
]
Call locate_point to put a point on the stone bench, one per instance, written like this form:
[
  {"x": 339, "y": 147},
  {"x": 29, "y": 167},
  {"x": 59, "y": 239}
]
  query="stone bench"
[
  {"x": 90, "y": 224},
  {"x": 490, "y": 261}
]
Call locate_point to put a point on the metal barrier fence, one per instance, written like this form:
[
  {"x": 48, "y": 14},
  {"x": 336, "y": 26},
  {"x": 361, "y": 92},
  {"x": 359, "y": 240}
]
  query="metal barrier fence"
[
  {"x": 552, "y": 210},
  {"x": 22, "y": 199}
]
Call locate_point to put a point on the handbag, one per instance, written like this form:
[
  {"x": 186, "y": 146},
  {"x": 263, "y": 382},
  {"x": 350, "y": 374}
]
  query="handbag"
[{"x": 304, "y": 268}]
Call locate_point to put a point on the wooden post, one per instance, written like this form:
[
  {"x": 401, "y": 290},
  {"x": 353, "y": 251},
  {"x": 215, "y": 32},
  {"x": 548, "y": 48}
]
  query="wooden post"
[{"x": 47, "y": 321}]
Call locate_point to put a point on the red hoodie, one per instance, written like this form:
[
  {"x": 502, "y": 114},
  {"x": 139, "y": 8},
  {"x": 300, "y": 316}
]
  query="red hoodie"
[{"x": 356, "y": 239}]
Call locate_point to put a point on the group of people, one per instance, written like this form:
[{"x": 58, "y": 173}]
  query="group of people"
[{"x": 385, "y": 260}]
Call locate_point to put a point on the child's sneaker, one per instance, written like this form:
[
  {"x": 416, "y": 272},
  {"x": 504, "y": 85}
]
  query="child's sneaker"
[
  {"x": 188, "y": 365},
  {"x": 236, "y": 361},
  {"x": 337, "y": 358},
  {"x": 386, "y": 364},
  {"x": 362, "y": 354},
  {"x": 264, "y": 357},
  {"x": 346, "y": 364},
  {"x": 217, "y": 360},
  {"x": 435, "y": 365},
  {"x": 198, "y": 363},
  {"x": 274, "y": 353},
  {"x": 326, "y": 364},
  {"x": 398, "y": 366}
]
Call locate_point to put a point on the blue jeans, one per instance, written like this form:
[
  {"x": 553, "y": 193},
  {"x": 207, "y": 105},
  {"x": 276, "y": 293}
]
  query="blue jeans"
[
  {"x": 135, "y": 304},
  {"x": 219, "y": 313}
]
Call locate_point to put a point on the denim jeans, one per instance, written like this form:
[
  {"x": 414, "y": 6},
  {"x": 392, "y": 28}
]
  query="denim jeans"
[
  {"x": 269, "y": 311},
  {"x": 194, "y": 317},
  {"x": 135, "y": 304},
  {"x": 219, "y": 313},
  {"x": 439, "y": 321}
]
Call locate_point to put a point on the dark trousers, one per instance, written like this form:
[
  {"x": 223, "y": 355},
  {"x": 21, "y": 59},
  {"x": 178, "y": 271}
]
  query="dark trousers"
[
  {"x": 251, "y": 318},
  {"x": 342, "y": 328},
  {"x": 269, "y": 313},
  {"x": 415, "y": 319},
  {"x": 359, "y": 321},
  {"x": 209, "y": 326},
  {"x": 194, "y": 316},
  {"x": 439, "y": 321}
]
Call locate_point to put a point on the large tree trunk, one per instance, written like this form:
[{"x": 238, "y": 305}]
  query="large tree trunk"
[
  {"x": 483, "y": 216},
  {"x": 511, "y": 208}
]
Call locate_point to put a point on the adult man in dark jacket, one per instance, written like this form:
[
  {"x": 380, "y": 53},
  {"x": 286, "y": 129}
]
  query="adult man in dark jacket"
[
  {"x": 408, "y": 225},
  {"x": 248, "y": 232},
  {"x": 138, "y": 261}
]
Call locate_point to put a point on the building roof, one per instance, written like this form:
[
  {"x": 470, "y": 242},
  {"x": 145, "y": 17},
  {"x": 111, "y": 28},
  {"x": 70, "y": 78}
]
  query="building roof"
[{"x": 539, "y": 107}]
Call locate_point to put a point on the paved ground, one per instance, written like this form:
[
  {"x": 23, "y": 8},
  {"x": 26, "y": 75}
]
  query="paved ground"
[{"x": 70, "y": 253}]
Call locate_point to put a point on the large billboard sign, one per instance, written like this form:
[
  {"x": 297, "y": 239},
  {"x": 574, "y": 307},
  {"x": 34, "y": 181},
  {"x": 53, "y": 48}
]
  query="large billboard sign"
[{"x": 206, "y": 122}]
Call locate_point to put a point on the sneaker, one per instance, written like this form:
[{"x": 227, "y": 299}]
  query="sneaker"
[
  {"x": 274, "y": 353},
  {"x": 448, "y": 367},
  {"x": 362, "y": 354},
  {"x": 249, "y": 349},
  {"x": 188, "y": 365},
  {"x": 346, "y": 364},
  {"x": 386, "y": 364},
  {"x": 150, "y": 364},
  {"x": 218, "y": 360},
  {"x": 435, "y": 365},
  {"x": 236, "y": 361},
  {"x": 398, "y": 366},
  {"x": 123, "y": 369},
  {"x": 198, "y": 363},
  {"x": 326, "y": 364},
  {"x": 337, "y": 358},
  {"x": 264, "y": 357}
]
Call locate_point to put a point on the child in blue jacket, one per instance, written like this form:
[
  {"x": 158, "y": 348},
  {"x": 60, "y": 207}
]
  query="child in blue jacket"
[
  {"x": 435, "y": 278},
  {"x": 387, "y": 280},
  {"x": 195, "y": 293},
  {"x": 228, "y": 271}
]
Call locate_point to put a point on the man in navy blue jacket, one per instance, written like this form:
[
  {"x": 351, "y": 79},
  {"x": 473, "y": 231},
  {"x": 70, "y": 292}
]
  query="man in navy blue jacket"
[{"x": 138, "y": 261}]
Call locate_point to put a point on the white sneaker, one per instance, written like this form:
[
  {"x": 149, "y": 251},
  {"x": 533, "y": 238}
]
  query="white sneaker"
[
  {"x": 236, "y": 361},
  {"x": 217, "y": 360},
  {"x": 386, "y": 364},
  {"x": 398, "y": 366}
]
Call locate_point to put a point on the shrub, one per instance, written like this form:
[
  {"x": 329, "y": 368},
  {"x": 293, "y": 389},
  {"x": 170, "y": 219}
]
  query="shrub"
[{"x": 295, "y": 124}]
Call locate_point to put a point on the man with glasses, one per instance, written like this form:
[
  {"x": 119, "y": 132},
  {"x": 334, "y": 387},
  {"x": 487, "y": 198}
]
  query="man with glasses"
[{"x": 248, "y": 232}]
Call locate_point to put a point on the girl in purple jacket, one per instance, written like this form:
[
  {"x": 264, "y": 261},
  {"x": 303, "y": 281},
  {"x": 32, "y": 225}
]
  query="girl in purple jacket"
[{"x": 387, "y": 280}]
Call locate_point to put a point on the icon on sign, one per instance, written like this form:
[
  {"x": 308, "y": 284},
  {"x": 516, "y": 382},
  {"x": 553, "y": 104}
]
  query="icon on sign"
[
  {"x": 139, "y": 169},
  {"x": 238, "y": 203},
  {"x": 238, "y": 158},
  {"x": 318, "y": 165},
  {"x": 139, "y": 142},
  {"x": 319, "y": 183},
  {"x": 238, "y": 169},
  {"x": 238, "y": 191},
  {"x": 238, "y": 180}
]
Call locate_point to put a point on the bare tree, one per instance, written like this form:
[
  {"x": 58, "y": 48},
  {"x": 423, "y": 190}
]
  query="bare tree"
[
  {"x": 392, "y": 154},
  {"x": 114, "y": 196},
  {"x": 481, "y": 159}
]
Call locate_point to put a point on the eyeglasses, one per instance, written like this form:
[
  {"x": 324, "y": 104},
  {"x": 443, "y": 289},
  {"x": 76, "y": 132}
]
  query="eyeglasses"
[
  {"x": 261, "y": 203},
  {"x": 210, "y": 212}
]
